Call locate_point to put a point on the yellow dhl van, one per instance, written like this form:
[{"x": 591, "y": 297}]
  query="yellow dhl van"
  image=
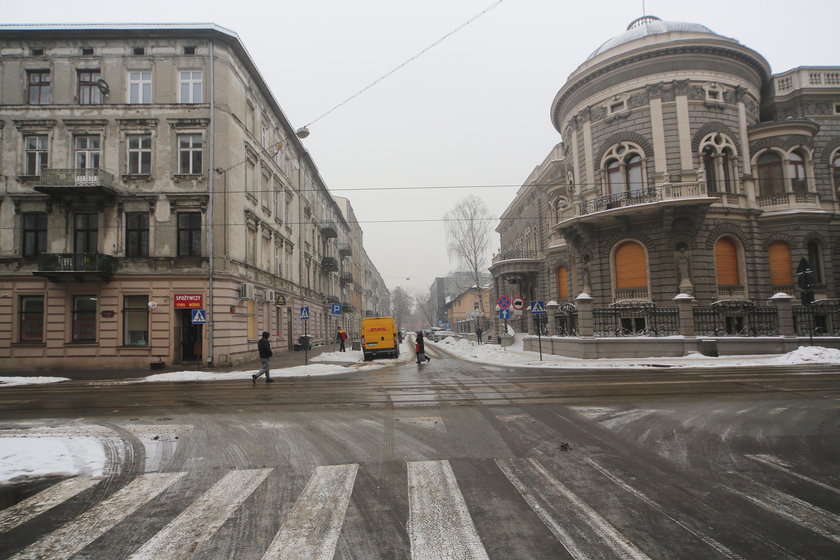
[{"x": 379, "y": 337}]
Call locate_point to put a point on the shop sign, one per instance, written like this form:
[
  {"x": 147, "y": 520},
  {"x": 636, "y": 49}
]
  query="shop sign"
[{"x": 188, "y": 301}]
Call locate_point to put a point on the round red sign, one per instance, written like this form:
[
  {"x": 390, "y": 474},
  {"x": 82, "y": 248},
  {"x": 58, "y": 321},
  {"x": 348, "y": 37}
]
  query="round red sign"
[{"x": 518, "y": 303}]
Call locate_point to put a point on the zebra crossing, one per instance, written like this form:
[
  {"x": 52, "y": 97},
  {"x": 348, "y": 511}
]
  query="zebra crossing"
[{"x": 440, "y": 522}]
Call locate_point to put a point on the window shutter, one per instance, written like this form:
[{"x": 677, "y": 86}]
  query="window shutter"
[
  {"x": 630, "y": 266},
  {"x": 781, "y": 267},
  {"x": 726, "y": 263},
  {"x": 563, "y": 282}
]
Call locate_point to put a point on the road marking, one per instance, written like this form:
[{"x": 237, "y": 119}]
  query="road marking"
[
  {"x": 196, "y": 524},
  {"x": 35, "y": 505},
  {"x": 312, "y": 527},
  {"x": 577, "y": 527},
  {"x": 623, "y": 485},
  {"x": 774, "y": 462},
  {"x": 72, "y": 537},
  {"x": 799, "y": 511},
  {"x": 439, "y": 523}
]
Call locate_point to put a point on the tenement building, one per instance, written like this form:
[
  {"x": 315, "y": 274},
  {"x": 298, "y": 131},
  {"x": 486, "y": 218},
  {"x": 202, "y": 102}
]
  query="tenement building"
[
  {"x": 686, "y": 170},
  {"x": 157, "y": 206}
]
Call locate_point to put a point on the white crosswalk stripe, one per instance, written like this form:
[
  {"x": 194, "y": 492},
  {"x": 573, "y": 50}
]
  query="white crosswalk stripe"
[
  {"x": 573, "y": 522},
  {"x": 180, "y": 539},
  {"x": 43, "y": 501},
  {"x": 775, "y": 463},
  {"x": 312, "y": 528},
  {"x": 69, "y": 539},
  {"x": 439, "y": 523}
]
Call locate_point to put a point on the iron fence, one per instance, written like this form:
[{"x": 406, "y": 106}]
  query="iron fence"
[
  {"x": 636, "y": 318},
  {"x": 736, "y": 318},
  {"x": 821, "y": 318},
  {"x": 566, "y": 320}
]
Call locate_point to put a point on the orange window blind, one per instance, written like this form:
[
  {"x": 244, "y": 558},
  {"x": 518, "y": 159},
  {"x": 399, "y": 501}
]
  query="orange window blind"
[
  {"x": 563, "y": 282},
  {"x": 630, "y": 266},
  {"x": 726, "y": 262},
  {"x": 781, "y": 269}
]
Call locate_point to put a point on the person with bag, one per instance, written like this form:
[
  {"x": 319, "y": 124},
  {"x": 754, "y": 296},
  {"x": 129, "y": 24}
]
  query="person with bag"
[
  {"x": 341, "y": 336},
  {"x": 264, "y": 348},
  {"x": 420, "y": 349}
]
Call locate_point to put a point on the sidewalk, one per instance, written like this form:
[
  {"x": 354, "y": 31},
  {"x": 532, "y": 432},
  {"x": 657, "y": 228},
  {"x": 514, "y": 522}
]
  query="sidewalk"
[{"x": 281, "y": 359}]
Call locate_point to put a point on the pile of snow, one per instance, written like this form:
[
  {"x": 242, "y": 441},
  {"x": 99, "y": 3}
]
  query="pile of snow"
[
  {"x": 348, "y": 357},
  {"x": 9, "y": 381},
  {"x": 810, "y": 354},
  {"x": 46, "y": 455},
  {"x": 297, "y": 371}
]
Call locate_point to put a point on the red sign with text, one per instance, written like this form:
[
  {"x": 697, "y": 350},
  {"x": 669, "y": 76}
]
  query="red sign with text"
[{"x": 188, "y": 301}]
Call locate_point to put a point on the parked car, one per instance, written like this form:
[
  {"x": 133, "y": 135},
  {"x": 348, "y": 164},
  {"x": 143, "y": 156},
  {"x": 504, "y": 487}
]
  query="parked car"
[{"x": 439, "y": 335}]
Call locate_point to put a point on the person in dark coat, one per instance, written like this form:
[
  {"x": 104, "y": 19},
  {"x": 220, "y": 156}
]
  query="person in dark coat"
[
  {"x": 478, "y": 333},
  {"x": 420, "y": 347},
  {"x": 264, "y": 348}
]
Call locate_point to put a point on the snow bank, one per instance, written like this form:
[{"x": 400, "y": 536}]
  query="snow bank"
[
  {"x": 45, "y": 455},
  {"x": 26, "y": 380}
]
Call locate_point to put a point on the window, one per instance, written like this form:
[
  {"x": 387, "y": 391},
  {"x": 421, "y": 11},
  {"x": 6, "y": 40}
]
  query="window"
[
  {"x": 719, "y": 163},
  {"x": 189, "y": 50},
  {"x": 138, "y": 51},
  {"x": 250, "y": 178},
  {"x": 137, "y": 234},
  {"x": 35, "y": 156},
  {"x": 726, "y": 262},
  {"x": 264, "y": 138},
  {"x": 278, "y": 203},
  {"x": 190, "y": 86},
  {"x": 189, "y": 154},
  {"x": 136, "y": 320},
  {"x": 288, "y": 212},
  {"x": 139, "y": 87},
  {"x": 631, "y": 278},
  {"x": 770, "y": 174},
  {"x": 86, "y": 51},
  {"x": 562, "y": 282},
  {"x": 31, "y": 319},
  {"x": 265, "y": 188},
  {"x": 89, "y": 92},
  {"x": 835, "y": 172},
  {"x": 37, "y": 51},
  {"x": 84, "y": 319},
  {"x": 34, "y": 234},
  {"x": 781, "y": 265},
  {"x": 815, "y": 260},
  {"x": 87, "y": 150},
  {"x": 796, "y": 173},
  {"x": 85, "y": 233},
  {"x": 139, "y": 154},
  {"x": 189, "y": 234},
  {"x": 38, "y": 82},
  {"x": 623, "y": 170}
]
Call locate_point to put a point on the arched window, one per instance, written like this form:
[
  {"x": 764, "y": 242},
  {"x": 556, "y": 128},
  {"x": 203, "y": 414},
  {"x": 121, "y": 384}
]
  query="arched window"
[
  {"x": 781, "y": 265},
  {"x": 835, "y": 171},
  {"x": 796, "y": 173},
  {"x": 770, "y": 174},
  {"x": 719, "y": 162},
  {"x": 562, "y": 282},
  {"x": 623, "y": 167},
  {"x": 631, "y": 278},
  {"x": 815, "y": 260},
  {"x": 727, "y": 270}
]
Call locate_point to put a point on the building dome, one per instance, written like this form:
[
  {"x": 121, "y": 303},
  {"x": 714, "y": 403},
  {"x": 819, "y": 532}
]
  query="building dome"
[{"x": 646, "y": 26}]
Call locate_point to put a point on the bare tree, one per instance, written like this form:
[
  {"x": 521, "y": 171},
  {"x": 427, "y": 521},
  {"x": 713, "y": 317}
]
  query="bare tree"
[
  {"x": 426, "y": 306},
  {"x": 468, "y": 238},
  {"x": 401, "y": 304}
]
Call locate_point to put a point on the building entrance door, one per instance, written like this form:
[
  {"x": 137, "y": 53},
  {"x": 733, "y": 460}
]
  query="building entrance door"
[{"x": 190, "y": 337}]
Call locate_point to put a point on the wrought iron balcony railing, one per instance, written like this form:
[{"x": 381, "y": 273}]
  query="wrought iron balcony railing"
[
  {"x": 76, "y": 265},
  {"x": 76, "y": 182}
]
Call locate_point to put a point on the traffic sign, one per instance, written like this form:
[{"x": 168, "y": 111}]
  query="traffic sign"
[
  {"x": 304, "y": 312},
  {"x": 199, "y": 317},
  {"x": 504, "y": 314},
  {"x": 518, "y": 303},
  {"x": 504, "y": 302},
  {"x": 336, "y": 309},
  {"x": 537, "y": 307}
]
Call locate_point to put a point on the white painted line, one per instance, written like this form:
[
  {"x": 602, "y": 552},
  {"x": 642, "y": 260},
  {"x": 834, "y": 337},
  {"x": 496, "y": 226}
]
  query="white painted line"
[
  {"x": 186, "y": 533},
  {"x": 312, "y": 527},
  {"x": 774, "y": 462},
  {"x": 35, "y": 505},
  {"x": 585, "y": 525},
  {"x": 72, "y": 537},
  {"x": 632, "y": 491},
  {"x": 802, "y": 513},
  {"x": 439, "y": 523}
]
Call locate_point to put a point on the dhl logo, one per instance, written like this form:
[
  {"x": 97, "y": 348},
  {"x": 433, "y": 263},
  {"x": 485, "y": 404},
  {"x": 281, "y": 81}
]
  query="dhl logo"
[{"x": 377, "y": 329}]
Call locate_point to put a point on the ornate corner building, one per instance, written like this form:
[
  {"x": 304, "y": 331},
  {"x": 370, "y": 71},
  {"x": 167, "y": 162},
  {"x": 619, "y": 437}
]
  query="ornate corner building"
[
  {"x": 686, "y": 167},
  {"x": 157, "y": 206}
]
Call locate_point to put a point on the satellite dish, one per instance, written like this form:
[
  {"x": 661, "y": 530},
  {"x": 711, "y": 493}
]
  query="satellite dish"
[{"x": 103, "y": 86}]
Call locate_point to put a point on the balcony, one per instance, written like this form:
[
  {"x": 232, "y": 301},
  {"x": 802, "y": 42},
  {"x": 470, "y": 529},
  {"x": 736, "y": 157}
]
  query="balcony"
[
  {"x": 76, "y": 267},
  {"x": 731, "y": 291},
  {"x": 332, "y": 299},
  {"x": 346, "y": 278},
  {"x": 329, "y": 230},
  {"x": 789, "y": 201},
  {"x": 518, "y": 261},
  {"x": 76, "y": 182},
  {"x": 329, "y": 264},
  {"x": 347, "y": 307},
  {"x": 345, "y": 250}
]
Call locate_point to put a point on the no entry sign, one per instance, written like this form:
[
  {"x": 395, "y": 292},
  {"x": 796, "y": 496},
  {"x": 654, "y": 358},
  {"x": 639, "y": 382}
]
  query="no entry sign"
[{"x": 518, "y": 303}]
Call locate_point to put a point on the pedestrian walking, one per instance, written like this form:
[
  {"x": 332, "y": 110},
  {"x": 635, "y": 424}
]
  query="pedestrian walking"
[
  {"x": 420, "y": 349},
  {"x": 341, "y": 336},
  {"x": 264, "y": 348},
  {"x": 478, "y": 333}
]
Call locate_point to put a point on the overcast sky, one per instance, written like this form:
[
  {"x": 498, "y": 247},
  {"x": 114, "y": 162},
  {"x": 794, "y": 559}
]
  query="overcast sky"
[{"x": 473, "y": 111}]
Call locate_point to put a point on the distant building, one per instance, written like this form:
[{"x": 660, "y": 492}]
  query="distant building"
[
  {"x": 685, "y": 167},
  {"x": 469, "y": 309},
  {"x": 157, "y": 206}
]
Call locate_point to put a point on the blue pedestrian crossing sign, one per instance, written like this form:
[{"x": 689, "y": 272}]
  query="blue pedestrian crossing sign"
[
  {"x": 504, "y": 314},
  {"x": 199, "y": 317},
  {"x": 336, "y": 309},
  {"x": 304, "y": 312},
  {"x": 537, "y": 307}
]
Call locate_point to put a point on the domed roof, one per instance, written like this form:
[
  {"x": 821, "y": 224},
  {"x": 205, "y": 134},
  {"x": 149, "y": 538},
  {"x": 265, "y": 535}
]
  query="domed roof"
[{"x": 650, "y": 25}]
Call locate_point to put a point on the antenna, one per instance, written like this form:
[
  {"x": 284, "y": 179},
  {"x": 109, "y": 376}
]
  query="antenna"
[{"x": 644, "y": 11}]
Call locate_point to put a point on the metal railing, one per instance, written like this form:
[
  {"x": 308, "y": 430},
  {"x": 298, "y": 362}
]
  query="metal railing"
[
  {"x": 515, "y": 254},
  {"x": 566, "y": 320},
  {"x": 76, "y": 262},
  {"x": 76, "y": 178},
  {"x": 821, "y": 318},
  {"x": 636, "y": 318},
  {"x": 736, "y": 318}
]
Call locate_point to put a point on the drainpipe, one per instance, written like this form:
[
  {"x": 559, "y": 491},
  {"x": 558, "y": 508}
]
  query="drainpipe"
[{"x": 210, "y": 221}]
